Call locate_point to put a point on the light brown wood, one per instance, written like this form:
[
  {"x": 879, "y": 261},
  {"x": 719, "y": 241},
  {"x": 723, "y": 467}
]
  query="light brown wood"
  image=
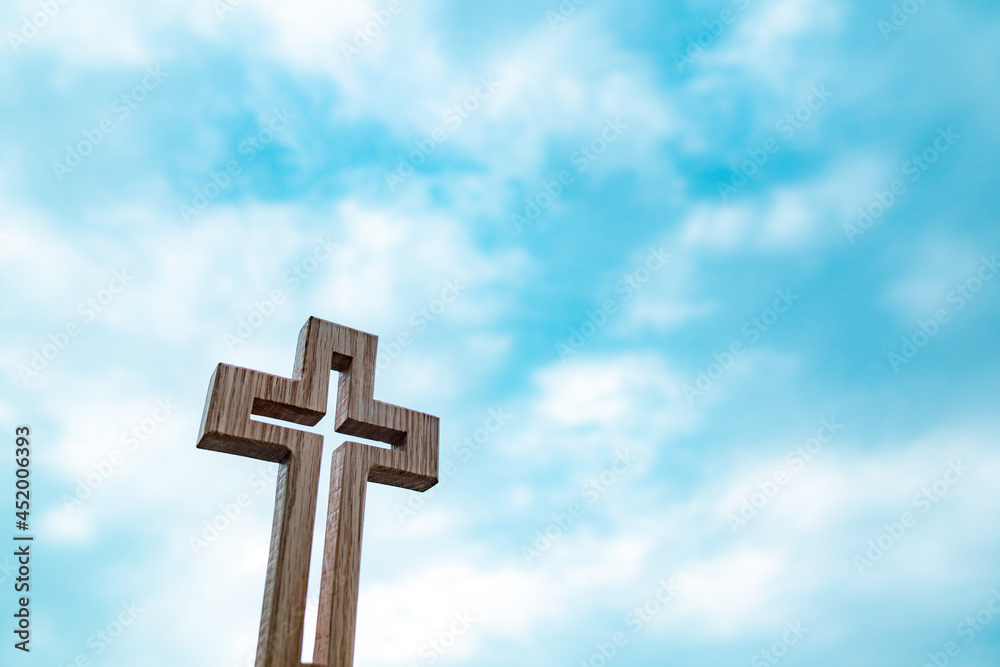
[{"x": 411, "y": 462}]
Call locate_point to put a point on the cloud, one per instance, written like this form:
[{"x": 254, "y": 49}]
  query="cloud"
[
  {"x": 784, "y": 217},
  {"x": 553, "y": 89},
  {"x": 773, "y": 42},
  {"x": 591, "y": 406}
]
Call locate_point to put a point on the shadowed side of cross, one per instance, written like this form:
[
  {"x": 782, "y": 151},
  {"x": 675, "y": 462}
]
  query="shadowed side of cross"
[{"x": 412, "y": 462}]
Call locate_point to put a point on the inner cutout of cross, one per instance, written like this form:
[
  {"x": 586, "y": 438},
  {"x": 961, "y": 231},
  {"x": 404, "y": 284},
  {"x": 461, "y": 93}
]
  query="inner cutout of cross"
[{"x": 234, "y": 394}]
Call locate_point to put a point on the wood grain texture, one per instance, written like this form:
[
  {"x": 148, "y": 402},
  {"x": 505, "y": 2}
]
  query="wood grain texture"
[{"x": 411, "y": 462}]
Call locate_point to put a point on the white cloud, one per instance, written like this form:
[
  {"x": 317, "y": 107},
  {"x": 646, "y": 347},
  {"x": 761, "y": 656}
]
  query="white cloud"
[
  {"x": 557, "y": 88},
  {"x": 730, "y": 594},
  {"x": 665, "y": 312},
  {"x": 393, "y": 264},
  {"x": 109, "y": 31},
  {"x": 796, "y": 554},
  {"x": 44, "y": 263},
  {"x": 772, "y": 40},
  {"x": 553, "y": 87},
  {"x": 787, "y": 217},
  {"x": 594, "y": 406},
  {"x": 60, "y": 527}
]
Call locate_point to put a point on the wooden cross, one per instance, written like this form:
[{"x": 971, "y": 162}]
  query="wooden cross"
[{"x": 234, "y": 394}]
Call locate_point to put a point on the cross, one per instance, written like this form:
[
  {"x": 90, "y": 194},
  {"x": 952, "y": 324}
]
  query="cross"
[{"x": 234, "y": 394}]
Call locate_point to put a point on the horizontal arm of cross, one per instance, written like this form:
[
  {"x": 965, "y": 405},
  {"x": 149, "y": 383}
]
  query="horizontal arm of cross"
[{"x": 237, "y": 393}]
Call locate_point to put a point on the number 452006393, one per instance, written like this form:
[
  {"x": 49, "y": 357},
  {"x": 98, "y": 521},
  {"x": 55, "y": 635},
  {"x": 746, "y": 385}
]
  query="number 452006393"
[{"x": 22, "y": 458}]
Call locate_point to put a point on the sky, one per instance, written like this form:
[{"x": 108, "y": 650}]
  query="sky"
[{"x": 705, "y": 294}]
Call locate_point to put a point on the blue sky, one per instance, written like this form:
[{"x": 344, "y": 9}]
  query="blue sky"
[{"x": 705, "y": 294}]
